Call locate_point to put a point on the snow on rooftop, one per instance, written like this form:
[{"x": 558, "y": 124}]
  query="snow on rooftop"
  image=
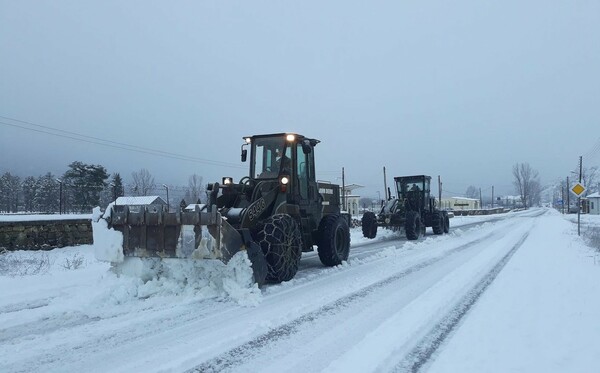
[{"x": 140, "y": 200}]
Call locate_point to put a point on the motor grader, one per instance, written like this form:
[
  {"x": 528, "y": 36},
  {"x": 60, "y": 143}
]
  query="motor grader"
[
  {"x": 413, "y": 210},
  {"x": 275, "y": 213}
]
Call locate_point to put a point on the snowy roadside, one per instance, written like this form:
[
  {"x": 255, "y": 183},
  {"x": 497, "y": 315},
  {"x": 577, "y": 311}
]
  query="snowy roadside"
[
  {"x": 39, "y": 217},
  {"x": 541, "y": 313}
]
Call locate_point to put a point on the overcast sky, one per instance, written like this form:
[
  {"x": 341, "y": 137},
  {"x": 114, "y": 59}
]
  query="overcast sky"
[{"x": 461, "y": 89}]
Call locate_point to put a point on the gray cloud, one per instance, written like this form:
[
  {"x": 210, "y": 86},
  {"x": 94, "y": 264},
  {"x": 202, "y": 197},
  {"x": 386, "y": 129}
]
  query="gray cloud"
[{"x": 461, "y": 89}]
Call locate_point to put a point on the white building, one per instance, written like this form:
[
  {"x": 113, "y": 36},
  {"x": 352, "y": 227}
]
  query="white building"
[
  {"x": 351, "y": 203},
  {"x": 135, "y": 203},
  {"x": 459, "y": 203},
  {"x": 594, "y": 203}
]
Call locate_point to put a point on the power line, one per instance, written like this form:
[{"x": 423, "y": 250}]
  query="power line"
[
  {"x": 113, "y": 144},
  {"x": 593, "y": 151}
]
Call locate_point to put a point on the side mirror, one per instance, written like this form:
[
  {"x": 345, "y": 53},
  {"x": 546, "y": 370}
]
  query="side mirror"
[
  {"x": 306, "y": 148},
  {"x": 244, "y": 155}
]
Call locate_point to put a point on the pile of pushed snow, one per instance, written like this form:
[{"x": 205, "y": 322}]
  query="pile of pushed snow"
[
  {"x": 142, "y": 278},
  {"x": 108, "y": 243}
]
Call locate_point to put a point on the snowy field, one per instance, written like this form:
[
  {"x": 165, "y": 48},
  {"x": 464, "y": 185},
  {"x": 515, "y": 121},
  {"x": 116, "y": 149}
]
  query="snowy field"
[
  {"x": 502, "y": 293},
  {"x": 38, "y": 217}
]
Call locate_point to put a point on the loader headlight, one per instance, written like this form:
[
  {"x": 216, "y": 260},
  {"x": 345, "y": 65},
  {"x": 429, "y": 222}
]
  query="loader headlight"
[
  {"x": 290, "y": 138},
  {"x": 248, "y": 140},
  {"x": 227, "y": 180},
  {"x": 283, "y": 183}
]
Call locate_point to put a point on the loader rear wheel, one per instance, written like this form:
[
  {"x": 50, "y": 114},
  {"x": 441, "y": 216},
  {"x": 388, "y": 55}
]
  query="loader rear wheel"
[
  {"x": 334, "y": 240},
  {"x": 369, "y": 225},
  {"x": 412, "y": 226},
  {"x": 281, "y": 243}
]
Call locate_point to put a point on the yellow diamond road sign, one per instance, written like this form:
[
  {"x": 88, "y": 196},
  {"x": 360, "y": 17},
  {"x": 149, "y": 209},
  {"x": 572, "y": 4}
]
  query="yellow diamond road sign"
[{"x": 578, "y": 189}]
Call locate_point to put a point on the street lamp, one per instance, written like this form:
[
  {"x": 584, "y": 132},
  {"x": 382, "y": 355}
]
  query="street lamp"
[
  {"x": 60, "y": 183},
  {"x": 114, "y": 187},
  {"x": 167, "y": 188}
]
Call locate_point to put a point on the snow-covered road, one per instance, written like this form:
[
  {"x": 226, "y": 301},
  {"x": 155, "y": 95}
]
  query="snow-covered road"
[{"x": 395, "y": 306}]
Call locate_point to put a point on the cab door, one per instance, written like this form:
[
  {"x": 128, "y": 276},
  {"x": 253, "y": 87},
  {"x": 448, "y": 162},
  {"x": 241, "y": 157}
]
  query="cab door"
[{"x": 308, "y": 197}]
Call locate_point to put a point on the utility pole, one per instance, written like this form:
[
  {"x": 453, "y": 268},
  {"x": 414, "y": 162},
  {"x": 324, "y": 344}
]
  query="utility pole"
[
  {"x": 492, "y": 196},
  {"x": 167, "y": 188},
  {"x": 562, "y": 198},
  {"x": 440, "y": 190},
  {"x": 568, "y": 196},
  {"x": 385, "y": 189},
  {"x": 480, "y": 200},
  {"x": 343, "y": 190},
  {"x": 60, "y": 202},
  {"x": 579, "y": 198}
]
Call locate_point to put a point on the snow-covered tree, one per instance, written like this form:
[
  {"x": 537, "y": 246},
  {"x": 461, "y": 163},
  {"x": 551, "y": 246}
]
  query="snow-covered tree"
[
  {"x": 47, "y": 196},
  {"x": 86, "y": 183},
  {"x": 10, "y": 192},
  {"x": 30, "y": 186},
  {"x": 117, "y": 185}
]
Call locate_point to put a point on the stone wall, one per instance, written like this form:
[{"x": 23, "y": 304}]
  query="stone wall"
[{"x": 45, "y": 234}]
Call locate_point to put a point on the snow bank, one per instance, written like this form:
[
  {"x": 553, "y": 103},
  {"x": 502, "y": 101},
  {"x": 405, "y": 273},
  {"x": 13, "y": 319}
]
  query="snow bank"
[
  {"x": 141, "y": 278},
  {"x": 108, "y": 243}
]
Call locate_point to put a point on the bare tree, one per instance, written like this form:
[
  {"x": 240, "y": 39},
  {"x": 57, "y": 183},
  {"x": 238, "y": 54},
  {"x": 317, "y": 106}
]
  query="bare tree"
[
  {"x": 588, "y": 178},
  {"x": 143, "y": 183},
  {"x": 195, "y": 189},
  {"x": 472, "y": 192},
  {"x": 525, "y": 181},
  {"x": 535, "y": 197}
]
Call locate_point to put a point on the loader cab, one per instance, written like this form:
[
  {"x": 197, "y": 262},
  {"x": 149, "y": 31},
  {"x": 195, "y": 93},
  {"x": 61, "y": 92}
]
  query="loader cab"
[
  {"x": 285, "y": 157},
  {"x": 414, "y": 191},
  {"x": 270, "y": 156}
]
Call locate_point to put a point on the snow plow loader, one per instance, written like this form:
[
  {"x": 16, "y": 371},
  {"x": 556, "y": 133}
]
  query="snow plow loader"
[{"x": 274, "y": 214}]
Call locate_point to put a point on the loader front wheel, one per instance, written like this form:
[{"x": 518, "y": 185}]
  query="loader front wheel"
[
  {"x": 281, "y": 243},
  {"x": 369, "y": 225},
  {"x": 334, "y": 240}
]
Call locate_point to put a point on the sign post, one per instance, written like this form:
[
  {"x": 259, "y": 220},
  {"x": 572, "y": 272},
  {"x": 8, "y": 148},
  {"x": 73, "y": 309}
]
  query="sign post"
[{"x": 578, "y": 189}]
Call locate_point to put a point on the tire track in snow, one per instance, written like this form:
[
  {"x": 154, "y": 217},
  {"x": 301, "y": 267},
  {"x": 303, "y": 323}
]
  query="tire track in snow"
[
  {"x": 426, "y": 348},
  {"x": 45, "y": 326},
  {"x": 242, "y": 353},
  {"x": 28, "y": 305}
]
